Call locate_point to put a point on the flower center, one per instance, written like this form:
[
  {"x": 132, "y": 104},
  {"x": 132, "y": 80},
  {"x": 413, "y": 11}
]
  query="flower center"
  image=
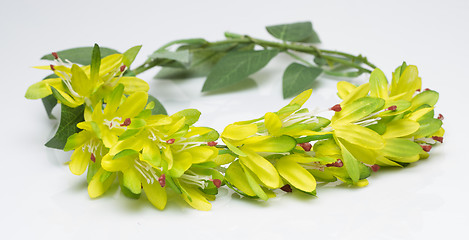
[
  {"x": 147, "y": 172},
  {"x": 189, "y": 177}
]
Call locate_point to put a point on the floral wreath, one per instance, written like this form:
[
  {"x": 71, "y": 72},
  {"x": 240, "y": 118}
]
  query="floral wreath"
[{"x": 119, "y": 134}]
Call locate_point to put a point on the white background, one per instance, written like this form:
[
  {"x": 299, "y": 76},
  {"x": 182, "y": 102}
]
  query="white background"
[{"x": 41, "y": 199}]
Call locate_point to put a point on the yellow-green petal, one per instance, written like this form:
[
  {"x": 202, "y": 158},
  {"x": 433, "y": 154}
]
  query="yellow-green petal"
[
  {"x": 115, "y": 165},
  {"x": 272, "y": 144},
  {"x": 79, "y": 161},
  {"x": 181, "y": 162},
  {"x": 378, "y": 84},
  {"x": 356, "y": 93},
  {"x": 239, "y": 132},
  {"x": 133, "y": 105},
  {"x": 197, "y": 199},
  {"x": 133, "y": 84},
  {"x": 344, "y": 88},
  {"x": 81, "y": 84},
  {"x": 236, "y": 176},
  {"x": 360, "y": 136},
  {"x": 301, "y": 98},
  {"x": 400, "y": 148},
  {"x": 131, "y": 180},
  {"x": 96, "y": 187},
  {"x": 202, "y": 153},
  {"x": 264, "y": 170},
  {"x": 273, "y": 123},
  {"x": 400, "y": 128},
  {"x": 155, "y": 194},
  {"x": 296, "y": 175}
]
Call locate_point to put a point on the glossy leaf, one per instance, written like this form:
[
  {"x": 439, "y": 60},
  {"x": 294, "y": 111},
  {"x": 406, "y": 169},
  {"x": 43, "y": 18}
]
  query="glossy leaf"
[
  {"x": 158, "y": 108},
  {"x": 298, "y": 78},
  {"x": 69, "y": 119}
]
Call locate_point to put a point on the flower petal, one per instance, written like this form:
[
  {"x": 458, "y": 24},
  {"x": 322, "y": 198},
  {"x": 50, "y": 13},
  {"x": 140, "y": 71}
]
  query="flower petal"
[
  {"x": 344, "y": 88},
  {"x": 378, "y": 84},
  {"x": 273, "y": 123},
  {"x": 301, "y": 98},
  {"x": 236, "y": 176},
  {"x": 133, "y": 105},
  {"x": 296, "y": 175},
  {"x": 400, "y": 148},
  {"x": 155, "y": 194},
  {"x": 264, "y": 170},
  {"x": 360, "y": 136},
  {"x": 272, "y": 144},
  {"x": 79, "y": 161},
  {"x": 133, "y": 84},
  {"x": 197, "y": 199},
  {"x": 400, "y": 128},
  {"x": 182, "y": 161},
  {"x": 239, "y": 132},
  {"x": 202, "y": 154},
  {"x": 96, "y": 187},
  {"x": 80, "y": 82},
  {"x": 357, "y": 110}
]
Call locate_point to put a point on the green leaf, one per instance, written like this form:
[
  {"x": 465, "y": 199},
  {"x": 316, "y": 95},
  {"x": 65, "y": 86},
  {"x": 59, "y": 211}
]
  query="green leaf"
[
  {"x": 201, "y": 61},
  {"x": 235, "y": 67},
  {"x": 67, "y": 127},
  {"x": 179, "y": 56},
  {"x": 130, "y": 54},
  {"x": 297, "y": 78},
  {"x": 294, "y": 32},
  {"x": 158, "y": 108},
  {"x": 95, "y": 63},
  {"x": 49, "y": 103},
  {"x": 81, "y": 55}
]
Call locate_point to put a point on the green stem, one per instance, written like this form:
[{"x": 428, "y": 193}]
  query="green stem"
[{"x": 329, "y": 55}]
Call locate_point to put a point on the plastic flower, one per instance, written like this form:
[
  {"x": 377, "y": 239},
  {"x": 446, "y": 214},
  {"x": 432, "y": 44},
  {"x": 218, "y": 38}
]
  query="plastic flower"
[
  {"x": 168, "y": 150},
  {"x": 75, "y": 85}
]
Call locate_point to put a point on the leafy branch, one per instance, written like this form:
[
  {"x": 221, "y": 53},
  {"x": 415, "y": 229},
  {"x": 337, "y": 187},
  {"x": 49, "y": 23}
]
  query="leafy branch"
[{"x": 234, "y": 59}]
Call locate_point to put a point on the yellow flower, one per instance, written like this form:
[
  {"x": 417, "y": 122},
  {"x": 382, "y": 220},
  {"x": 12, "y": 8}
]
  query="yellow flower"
[{"x": 75, "y": 85}]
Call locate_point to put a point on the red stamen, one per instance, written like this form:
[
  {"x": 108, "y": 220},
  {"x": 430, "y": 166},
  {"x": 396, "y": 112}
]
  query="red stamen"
[
  {"x": 306, "y": 146},
  {"x": 426, "y": 89},
  {"x": 55, "y": 55},
  {"x": 212, "y": 144},
  {"x": 392, "y": 108},
  {"x": 52, "y": 67},
  {"x": 93, "y": 158},
  {"x": 336, "y": 108},
  {"x": 439, "y": 139},
  {"x": 286, "y": 188},
  {"x": 171, "y": 141},
  {"x": 418, "y": 90},
  {"x": 440, "y": 116},
  {"x": 338, "y": 163},
  {"x": 375, "y": 168},
  {"x": 426, "y": 148},
  {"x": 162, "y": 180},
  {"x": 217, "y": 182},
  {"x": 126, "y": 122},
  {"x": 122, "y": 68}
]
